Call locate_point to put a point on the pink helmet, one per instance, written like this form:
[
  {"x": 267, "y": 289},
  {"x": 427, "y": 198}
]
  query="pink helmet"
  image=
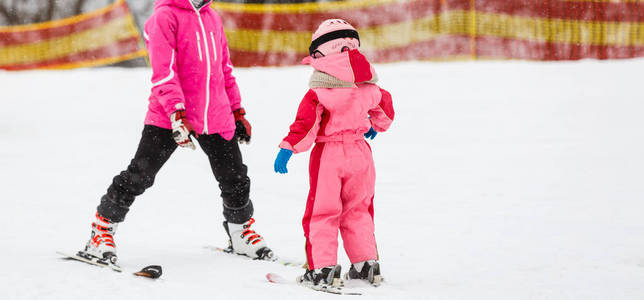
[{"x": 333, "y": 36}]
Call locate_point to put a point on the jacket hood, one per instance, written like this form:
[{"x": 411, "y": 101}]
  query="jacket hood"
[
  {"x": 185, "y": 4},
  {"x": 349, "y": 66}
]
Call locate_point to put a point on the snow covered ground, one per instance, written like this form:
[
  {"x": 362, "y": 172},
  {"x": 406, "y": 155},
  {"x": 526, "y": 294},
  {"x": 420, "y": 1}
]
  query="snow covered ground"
[{"x": 498, "y": 180}]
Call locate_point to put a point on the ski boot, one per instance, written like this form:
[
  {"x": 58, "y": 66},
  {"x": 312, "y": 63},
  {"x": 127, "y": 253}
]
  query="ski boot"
[
  {"x": 101, "y": 247},
  {"x": 245, "y": 241},
  {"x": 369, "y": 271},
  {"x": 322, "y": 278}
]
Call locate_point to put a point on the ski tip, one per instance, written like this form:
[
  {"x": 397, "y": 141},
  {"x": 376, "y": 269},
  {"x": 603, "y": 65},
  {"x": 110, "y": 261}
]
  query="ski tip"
[
  {"x": 153, "y": 272},
  {"x": 274, "y": 278}
]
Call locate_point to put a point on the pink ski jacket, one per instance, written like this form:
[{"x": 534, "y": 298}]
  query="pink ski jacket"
[
  {"x": 342, "y": 104},
  {"x": 191, "y": 68}
]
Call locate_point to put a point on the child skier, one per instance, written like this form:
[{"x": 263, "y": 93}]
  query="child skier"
[
  {"x": 341, "y": 108},
  {"x": 193, "y": 93}
]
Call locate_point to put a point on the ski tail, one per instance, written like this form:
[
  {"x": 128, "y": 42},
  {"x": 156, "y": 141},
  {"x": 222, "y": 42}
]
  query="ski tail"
[{"x": 92, "y": 260}]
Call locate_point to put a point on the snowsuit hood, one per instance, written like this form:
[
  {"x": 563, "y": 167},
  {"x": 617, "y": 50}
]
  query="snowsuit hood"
[
  {"x": 185, "y": 4},
  {"x": 343, "y": 99},
  {"x": 344, "y": 69}
]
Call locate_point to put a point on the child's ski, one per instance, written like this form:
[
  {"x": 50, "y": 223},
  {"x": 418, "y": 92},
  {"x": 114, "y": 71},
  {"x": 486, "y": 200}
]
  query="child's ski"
[
  {"x": 279, "y": 260},
  {"x": 276, "y": 278}
]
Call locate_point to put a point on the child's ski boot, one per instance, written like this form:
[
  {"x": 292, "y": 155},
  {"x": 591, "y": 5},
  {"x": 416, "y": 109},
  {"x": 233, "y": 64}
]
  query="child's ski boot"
[
  {"x": 369, "y": 271},
  {"x": 322, "y": 278}
]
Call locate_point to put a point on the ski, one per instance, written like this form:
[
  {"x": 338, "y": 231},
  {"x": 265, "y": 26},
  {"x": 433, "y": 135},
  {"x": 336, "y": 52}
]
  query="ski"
[
  {"x": 152, "y": 272},
  {"x": 92, "y": 260},
  {"x": 278, "y": 260},
  {"x": 276, "y": 278}
]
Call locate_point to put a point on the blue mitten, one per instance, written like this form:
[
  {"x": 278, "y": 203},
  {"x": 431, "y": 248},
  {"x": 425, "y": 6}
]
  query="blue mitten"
[
  {"x": 281, "y": 160},
  {"x": 370, "y": 134}
]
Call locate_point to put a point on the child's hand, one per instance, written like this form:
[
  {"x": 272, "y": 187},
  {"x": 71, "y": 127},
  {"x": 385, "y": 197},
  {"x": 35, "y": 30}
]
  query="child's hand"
[
  {"x": 370, "y": 134},
  {"x": 281, "y": 160}
]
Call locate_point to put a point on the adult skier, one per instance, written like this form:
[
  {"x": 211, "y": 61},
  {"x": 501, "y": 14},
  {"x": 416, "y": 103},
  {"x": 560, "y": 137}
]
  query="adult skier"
[{"x": 193, "y": 94}]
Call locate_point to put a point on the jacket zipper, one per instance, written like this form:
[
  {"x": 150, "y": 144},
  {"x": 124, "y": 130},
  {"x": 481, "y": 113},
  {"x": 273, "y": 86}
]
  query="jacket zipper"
[
  {"x": 199, "y": 45},
  {"x": 205, "y": 39},
  {"x": 214, "y": 46}
]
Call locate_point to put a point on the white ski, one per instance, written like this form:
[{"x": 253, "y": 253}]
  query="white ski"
[
  {"x": 152, "y": 272},
  {"x": 276, "y": 278},
  {"x": 279, "y": 260},
  {"x": 91, "y": 260}
]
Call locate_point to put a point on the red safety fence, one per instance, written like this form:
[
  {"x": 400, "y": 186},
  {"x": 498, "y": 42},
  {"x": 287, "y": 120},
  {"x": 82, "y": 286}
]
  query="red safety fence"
[
  {"x": 108, "y": 35},
  {"x": 279, "y": 34},
  {"x": 390, "y": 30}
]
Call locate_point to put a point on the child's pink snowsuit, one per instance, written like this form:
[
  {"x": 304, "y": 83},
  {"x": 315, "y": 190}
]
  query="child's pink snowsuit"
[
  {"x": 191, "y": 68},
  {"x": 341, "y": 169}
]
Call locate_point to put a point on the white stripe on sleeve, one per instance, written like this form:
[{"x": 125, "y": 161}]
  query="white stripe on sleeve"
[{"x": 170, "y": 76}]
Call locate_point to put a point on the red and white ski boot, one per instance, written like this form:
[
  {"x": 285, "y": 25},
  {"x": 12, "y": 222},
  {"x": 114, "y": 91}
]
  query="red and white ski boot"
[
  {"x": 101, "y": 245},
  {"x": 245, "y": 241}
]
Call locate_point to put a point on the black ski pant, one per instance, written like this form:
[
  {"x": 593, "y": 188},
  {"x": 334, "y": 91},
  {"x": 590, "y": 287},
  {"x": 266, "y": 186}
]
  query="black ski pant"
[{"x": 155, "y": 148}]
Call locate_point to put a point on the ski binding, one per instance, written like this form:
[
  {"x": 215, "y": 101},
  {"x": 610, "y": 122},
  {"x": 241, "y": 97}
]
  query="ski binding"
[
  {"x": 82, "y": 256},
  {"x": 276, "y": 278}
]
